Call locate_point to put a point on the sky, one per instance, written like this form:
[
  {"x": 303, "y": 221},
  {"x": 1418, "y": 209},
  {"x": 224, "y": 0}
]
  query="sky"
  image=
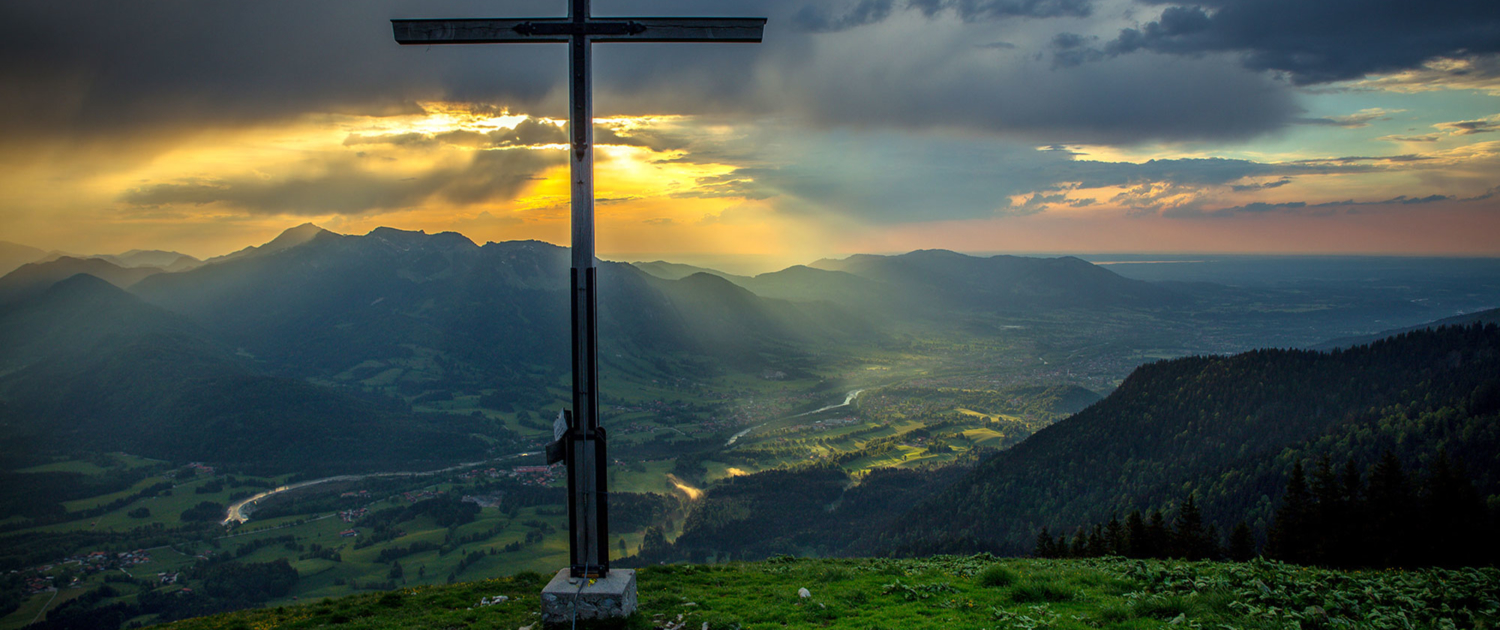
[{"x": 874, "y": 126}]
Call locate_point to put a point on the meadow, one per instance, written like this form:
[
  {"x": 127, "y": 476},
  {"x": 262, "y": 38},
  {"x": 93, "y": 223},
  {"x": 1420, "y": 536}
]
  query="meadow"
[{"x": 943, "y": 592}]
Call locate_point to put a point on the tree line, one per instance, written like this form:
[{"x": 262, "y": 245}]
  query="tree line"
[{"x": 1378, "y": 517}]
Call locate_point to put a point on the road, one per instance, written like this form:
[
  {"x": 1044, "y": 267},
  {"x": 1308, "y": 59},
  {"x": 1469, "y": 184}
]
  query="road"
[
  {"x": 237, "y": 514},
  {"x": 848, "y": 399}
]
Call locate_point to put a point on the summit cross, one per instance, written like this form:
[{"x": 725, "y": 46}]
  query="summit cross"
[{"x": 583, "y": 441}]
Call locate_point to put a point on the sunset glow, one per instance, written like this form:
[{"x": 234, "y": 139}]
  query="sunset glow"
[{"x": 1394, "y": 161}]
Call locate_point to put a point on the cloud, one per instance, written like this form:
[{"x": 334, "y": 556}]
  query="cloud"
[
  {"x": 1321, "y": 41},
  {"x": 1478, "y": 72},
  {"x": 99, "y": 69},
  {"x": 1471, "y": 127},
  {"x": 1363, "y": 118},
  {"x": 1431, "y": 137},
  {"x": 819, "y": 18},
  {"x": 981, "y": 10},
  {"x": 1261, "y": 207},
  {"x": 344, "y": 186},
  {"x": 1261, "y": 186}
]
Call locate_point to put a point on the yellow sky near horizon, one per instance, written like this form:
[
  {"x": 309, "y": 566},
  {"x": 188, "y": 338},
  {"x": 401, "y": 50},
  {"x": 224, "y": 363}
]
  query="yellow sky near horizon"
[{"x": 680, "y": 185}]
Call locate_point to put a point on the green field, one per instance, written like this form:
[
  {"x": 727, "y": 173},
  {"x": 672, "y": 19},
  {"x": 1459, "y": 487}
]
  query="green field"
[{"x": 947, "y": 592}]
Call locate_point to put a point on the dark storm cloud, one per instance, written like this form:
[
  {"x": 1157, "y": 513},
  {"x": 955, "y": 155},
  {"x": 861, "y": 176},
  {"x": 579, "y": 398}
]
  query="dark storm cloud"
[
  {"x": 346, "y": 188},
  {"x": 977, "y": 10},
  {"x": 100, "y": 67},
  {"x": 1317, "y": 41},
  {"x": 819, "y": 18}
]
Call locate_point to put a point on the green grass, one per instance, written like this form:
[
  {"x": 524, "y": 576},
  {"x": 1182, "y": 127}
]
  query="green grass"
[{"x": 945, "y": 592}]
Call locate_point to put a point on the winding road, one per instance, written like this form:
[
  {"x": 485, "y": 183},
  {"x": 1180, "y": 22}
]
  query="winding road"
[
  {"x": 848, "y": 399},
  {"x": 237, "y": 513}
]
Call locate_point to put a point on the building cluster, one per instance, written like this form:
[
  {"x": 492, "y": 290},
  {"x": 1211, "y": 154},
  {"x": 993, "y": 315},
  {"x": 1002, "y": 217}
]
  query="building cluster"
[
  {"x": 360, "y": 494},
  {"x": 538, "y": 475},
  {"x": 39, "y": 584},
  {"x": 349, "y": 516},
  {"x": 485, "y": 500},
  {"x": 418, "y": 495},
  {"x": 490, "y": 473},
  {"x": 202, "y": 468},
  {"x": 93, "y": 562}
]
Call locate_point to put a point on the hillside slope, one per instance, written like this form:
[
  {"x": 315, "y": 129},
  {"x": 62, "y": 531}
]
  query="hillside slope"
[
  {"x": 90, "y": 367},
  {"x": 1227, "y": 429}
]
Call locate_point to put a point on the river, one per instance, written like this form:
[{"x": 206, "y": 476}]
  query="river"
[
  {"x": 848, "y": 399},
  {"x": 237, "y": 514}
]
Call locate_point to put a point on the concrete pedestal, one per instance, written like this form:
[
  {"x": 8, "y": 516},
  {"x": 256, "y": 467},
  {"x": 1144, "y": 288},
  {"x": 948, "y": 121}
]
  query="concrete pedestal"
[{"x": 611, "y": 597}]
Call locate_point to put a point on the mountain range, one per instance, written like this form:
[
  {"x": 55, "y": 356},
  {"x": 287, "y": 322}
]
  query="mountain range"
[{"x": 325, "y": 319}]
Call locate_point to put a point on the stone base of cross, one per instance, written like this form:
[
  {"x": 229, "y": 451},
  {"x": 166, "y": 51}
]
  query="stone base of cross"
[{"x": 582, "y": 444}]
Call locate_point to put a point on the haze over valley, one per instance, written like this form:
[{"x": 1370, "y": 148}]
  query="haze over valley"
[{"x": 831, "y": 408}]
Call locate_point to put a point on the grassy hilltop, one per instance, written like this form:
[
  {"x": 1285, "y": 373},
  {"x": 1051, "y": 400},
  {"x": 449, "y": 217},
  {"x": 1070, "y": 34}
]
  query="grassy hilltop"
[{"x": 945, "y": 592}]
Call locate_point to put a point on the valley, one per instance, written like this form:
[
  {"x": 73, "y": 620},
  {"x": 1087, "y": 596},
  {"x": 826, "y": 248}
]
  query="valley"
[{"x": 386, "y": 397}]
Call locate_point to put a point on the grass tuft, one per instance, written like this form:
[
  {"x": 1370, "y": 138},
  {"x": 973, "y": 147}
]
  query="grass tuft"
[
  {"x": 1038, "y": 591},
  {"x": 998, "y": 575}
]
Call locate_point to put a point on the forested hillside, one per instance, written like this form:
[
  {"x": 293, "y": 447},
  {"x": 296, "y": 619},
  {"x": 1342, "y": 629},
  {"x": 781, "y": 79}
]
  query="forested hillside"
[
  {"x": 1229, "y": 430},
  {"x": 89, "y": 367}
]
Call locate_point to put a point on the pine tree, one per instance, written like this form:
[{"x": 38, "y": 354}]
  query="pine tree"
[
  {"x": 654, "y": 543},
  {"x": 1188, "y": 538},
  {"x": 1289, "y": 532},
  {"x": 1080, "y": 546},
  {"x": 1346, "y": 542},
  {"x": 1157, "y": 536},
  {"x": 1045, "y": 548},
  {"x": 1454, "y": 515},
  {"x": 1096, "y": 542},
  {"x": 1327, "y": 512},
  {"x": 1389, "y": 508},
  {"x": 1241, "y": 543},
  {"x": 1135, "y": 535},
  {"x": 1114, "y": 536}
]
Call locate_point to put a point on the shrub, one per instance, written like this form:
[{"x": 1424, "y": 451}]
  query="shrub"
[
  {"x": 1029, "y": 592},
  {"x": 998, "y": 575}
]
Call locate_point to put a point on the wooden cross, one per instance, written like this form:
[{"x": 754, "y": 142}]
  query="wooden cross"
[{"x": 588, "y": 504}]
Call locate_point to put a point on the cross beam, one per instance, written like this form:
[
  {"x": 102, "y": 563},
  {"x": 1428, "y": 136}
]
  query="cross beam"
[{"x": 588, "y": 496}]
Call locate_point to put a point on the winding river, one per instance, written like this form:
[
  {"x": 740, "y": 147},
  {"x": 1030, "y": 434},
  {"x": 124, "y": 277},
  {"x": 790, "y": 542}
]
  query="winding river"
[
  {"x": 848, "y": 399},
  {"x": 238, "y": 514}
]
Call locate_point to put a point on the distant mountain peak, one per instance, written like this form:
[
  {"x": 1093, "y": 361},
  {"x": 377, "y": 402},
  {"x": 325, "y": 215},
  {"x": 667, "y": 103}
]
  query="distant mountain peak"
[
  {"x": 420, "y": 238},
  {"x": 291, "y": 237}
]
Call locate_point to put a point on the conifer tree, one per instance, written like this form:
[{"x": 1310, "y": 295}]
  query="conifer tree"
[
  {"x": 1389, "y": 508},
  {"x": 1241, "y": 543},
  {"x": 1189, "y": 539},
  {"x": 1114, "y": 536},
  {"x": 1080, "y": 546},
  {"x": 1156, "y": 536},
  {"x": 1135, "y": 535},
  {"x": 1045, "y": 547},
  {"x": 1288, "y": 539},
  {"x": 1327, "y": 513},
  {"x": 1454, "y": 512},
  {"x": 1097, "y": 545}
]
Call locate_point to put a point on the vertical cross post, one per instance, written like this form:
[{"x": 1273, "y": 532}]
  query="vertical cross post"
[
  {"x": 588, "y": 507},
  {"x": 584, "y": 452}
]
